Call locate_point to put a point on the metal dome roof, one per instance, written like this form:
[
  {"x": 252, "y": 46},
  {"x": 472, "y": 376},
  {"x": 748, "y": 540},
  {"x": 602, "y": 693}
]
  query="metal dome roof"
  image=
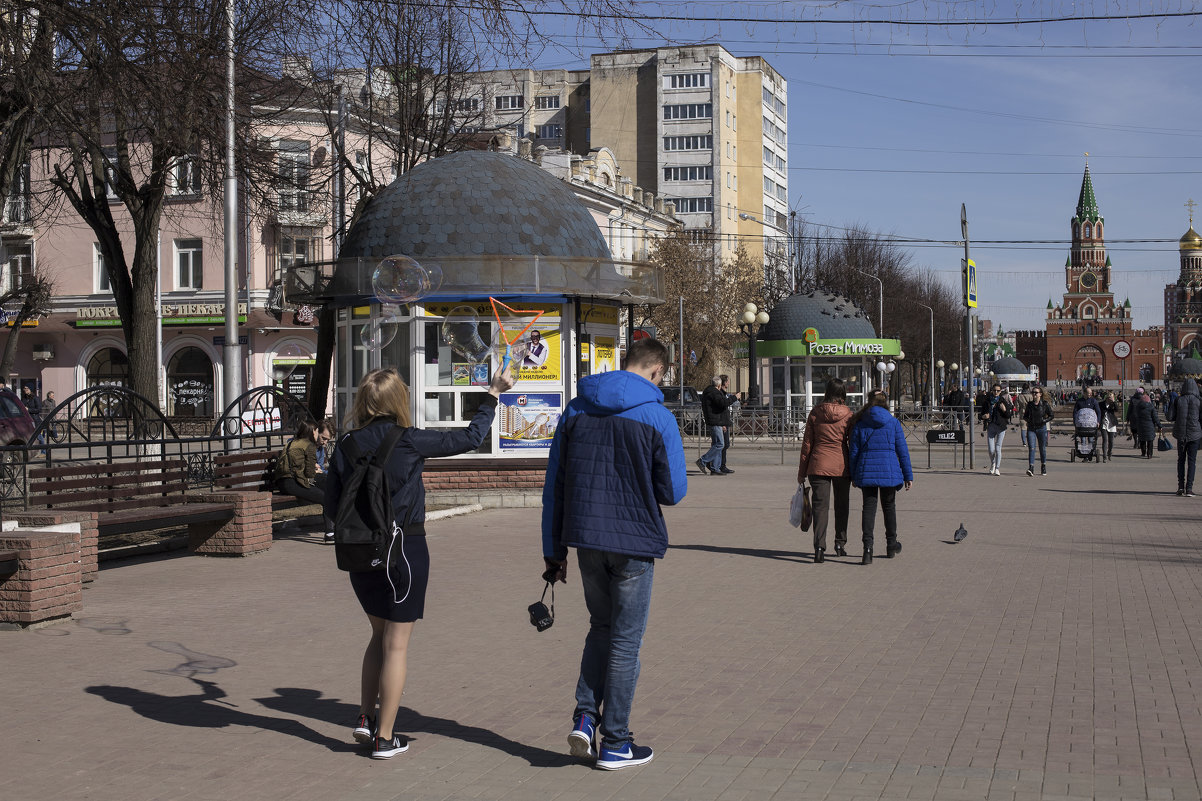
[
  {"x": 475, "y": 203},
  {"x": 834, "y": 317},
  {"x": 1187, "y": 367},
  {"x": 1009, "y": 365}
]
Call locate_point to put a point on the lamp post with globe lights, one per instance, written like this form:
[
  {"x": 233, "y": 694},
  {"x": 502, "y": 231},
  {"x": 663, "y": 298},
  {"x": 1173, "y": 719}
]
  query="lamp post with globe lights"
[
  {"x": 939, "y": 364},
  {"x": 749, "y": 321}
]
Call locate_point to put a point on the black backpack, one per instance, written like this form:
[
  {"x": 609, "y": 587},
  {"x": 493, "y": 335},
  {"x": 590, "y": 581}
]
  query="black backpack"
[{"x": 364, "y": 526}]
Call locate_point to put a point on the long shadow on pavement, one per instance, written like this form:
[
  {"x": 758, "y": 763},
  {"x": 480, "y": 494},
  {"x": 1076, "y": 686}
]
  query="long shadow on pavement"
[
  {"x": 206, "y": 710},
  {"x": 310, "y": 703},
  {"x": 763, "y": 553}
]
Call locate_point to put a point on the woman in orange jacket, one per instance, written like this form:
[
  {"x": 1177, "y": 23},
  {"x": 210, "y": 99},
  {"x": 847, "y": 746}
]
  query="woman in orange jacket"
[{"x": 824, "y": 463}]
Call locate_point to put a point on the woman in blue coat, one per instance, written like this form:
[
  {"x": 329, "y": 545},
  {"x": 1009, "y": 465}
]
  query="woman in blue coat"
[{"x": 880, "y": 465}]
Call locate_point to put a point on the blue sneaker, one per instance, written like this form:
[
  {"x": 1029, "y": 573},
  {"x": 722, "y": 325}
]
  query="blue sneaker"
[
  {"x": 580, "y": 740},
  {"x": 627, "y": 756}
]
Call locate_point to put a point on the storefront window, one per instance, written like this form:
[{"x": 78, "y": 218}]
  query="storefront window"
[{"x": 190, "y": 384}]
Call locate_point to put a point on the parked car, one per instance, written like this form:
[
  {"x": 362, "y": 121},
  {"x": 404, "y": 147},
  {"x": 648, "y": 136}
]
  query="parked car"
[
  {"x": 16, "y": 426},
  {"x": 672, "y": 396}
]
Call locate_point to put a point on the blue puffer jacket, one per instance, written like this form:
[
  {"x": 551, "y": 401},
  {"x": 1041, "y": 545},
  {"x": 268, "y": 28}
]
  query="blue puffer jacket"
[
  {"x": 877, "y": 451},
  {"x": 616, "y": 457}
]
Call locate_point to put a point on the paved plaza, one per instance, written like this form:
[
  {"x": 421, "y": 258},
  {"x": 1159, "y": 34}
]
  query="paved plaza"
[{"x": 1053, "y": 654}]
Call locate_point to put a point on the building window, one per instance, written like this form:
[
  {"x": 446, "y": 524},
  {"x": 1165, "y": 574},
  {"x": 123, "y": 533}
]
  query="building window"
[
  {"x": 688, "y": 80},
  {"x": 17, "y": 205},
  {"x": 293, "y": 171},
  {"x": 190, "y": 384},
  {"x": 546, "y": 101},
  {"x": 107, "y": 367},
  {"x": 697, "y": 173},
  {"x": 18, "y": 270},
  {"x": 467, "y": 104},
  {"x": 189, "y": 261},
  {"x": 689, "y": 111},
  {"x": 509, "y": 102},
  {"x": 1097, "y": 230},
  {"x": 550, "y": 131},
  {"x": 297, "y": 246},
  {"x": 184, "y": 178},
  {"x": 701, "y": 142},
  {"x": 110, "y": 173},
  {"x": 1085, "y": 232},
  {"x": 101, "y": 282},
  {"x": 693, "y": 205}
]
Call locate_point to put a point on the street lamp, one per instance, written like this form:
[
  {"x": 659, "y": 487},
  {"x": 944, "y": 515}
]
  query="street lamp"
[
  {"x": 955, "y": 368},
  {"x": 748, "y": 321},
  {"x": 882, "y": 301},
  {"x": 885, "y": 369},
  {"x": 932, "y": 311}
]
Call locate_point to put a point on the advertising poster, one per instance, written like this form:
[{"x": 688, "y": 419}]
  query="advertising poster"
[
  {"x": 528, "y": 419},
  {"x": 604, "y": 355},
  {"x": 542, "y": 357}
]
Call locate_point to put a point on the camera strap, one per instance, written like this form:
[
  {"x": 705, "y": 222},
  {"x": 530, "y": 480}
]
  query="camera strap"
[{"x": 550, "y": 586}]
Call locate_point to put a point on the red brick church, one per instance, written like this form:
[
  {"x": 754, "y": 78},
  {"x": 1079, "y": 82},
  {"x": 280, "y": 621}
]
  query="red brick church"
[{"x": 1082, "y": 328}]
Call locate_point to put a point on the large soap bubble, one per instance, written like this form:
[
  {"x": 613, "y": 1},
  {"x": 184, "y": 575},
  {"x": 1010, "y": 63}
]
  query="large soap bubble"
[
  {"x": 281, "y": 367},
  {"x": 400, "y": 279},
  {"x": 381, "y": 330},
  {"x": 461, "y": 330},
  {"x": 515, "y": 351},
  {"x": 434, "y": 276}
]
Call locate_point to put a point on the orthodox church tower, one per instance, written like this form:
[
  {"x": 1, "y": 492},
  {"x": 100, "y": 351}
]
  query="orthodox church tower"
[
  {"x": 1083, "y": 327},
  {"x": 1183, "y": 300}
]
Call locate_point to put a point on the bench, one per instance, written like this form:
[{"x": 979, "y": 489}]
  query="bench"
[
  {"x": 252, "y": 471},
  {"x": 153, "y": 494}
]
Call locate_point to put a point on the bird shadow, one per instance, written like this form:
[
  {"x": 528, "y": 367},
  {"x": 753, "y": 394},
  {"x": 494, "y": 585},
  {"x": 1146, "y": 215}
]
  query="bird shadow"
[{"x": 310, "y": 703}]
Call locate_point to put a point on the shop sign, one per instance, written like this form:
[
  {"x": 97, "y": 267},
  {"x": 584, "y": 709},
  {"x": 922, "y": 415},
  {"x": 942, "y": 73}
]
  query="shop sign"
[
  {"x": 173, "y": 314},
  {"x": 812, "y": 344},
  {"x": 304, "y": 316},
  {"x": 191, "y": 392},
  {"x": 484, "y": 310},
  {"x": 527, "y": 420},
  {"x": 599, "y": 315},
  {"x": 604, "y": 355}
]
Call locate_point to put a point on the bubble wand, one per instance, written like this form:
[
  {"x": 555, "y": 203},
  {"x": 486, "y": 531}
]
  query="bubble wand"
[{"x": 504, "y": 337}]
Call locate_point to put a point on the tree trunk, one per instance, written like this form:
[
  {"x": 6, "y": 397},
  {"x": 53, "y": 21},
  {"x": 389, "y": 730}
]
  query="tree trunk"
[{"x": 319, "y": 384}]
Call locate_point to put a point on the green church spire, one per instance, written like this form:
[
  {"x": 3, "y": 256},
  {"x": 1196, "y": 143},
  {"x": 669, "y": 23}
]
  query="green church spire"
[{"x": 1087, "y": 204}]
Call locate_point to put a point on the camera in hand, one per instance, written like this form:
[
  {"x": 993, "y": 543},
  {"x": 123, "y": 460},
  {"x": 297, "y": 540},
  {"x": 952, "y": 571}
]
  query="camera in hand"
[{"x": 540, "y": 616}]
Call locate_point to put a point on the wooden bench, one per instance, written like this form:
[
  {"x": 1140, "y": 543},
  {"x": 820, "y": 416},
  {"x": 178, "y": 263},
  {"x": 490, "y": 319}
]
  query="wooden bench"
[
  {"x": 252, "y": 471},
  {"x": 153, "y": 494}
]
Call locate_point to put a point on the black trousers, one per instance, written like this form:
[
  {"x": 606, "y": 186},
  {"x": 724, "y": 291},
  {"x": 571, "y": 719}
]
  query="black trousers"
[
  {"x": 824, "y": 488},
  {"x": 315, "y": 494},
  {"x": 868, "y": 517}
]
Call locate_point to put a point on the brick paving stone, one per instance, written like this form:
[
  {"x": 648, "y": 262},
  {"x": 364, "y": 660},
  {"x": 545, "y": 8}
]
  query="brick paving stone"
[{"x": 1053, "y": 654}]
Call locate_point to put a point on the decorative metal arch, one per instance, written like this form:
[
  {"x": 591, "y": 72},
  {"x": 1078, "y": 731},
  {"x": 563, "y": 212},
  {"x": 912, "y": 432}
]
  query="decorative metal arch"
[
  {"x": 262, "y": 411},
  {"x": 106, "y": 413}
]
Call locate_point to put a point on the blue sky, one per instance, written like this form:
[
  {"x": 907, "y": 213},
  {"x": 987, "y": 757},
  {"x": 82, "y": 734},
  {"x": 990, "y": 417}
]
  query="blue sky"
[{"x": 893, "y": 127}]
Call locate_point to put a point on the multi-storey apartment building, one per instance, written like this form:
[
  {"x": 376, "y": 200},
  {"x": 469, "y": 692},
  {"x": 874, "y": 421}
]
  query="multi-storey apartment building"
[{"x": 703, "y": 129}]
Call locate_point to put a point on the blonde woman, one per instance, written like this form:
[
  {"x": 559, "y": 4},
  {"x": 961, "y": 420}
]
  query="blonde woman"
[{"x": 394, "y": 599}]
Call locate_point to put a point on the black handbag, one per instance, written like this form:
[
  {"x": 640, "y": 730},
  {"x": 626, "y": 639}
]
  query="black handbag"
[{"x": 1163, "y": 444}]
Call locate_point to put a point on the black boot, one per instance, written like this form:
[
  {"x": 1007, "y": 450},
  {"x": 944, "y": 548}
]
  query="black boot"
[
  {"x": 867, "y": 558},
  {"x": 820, "y": 555}
]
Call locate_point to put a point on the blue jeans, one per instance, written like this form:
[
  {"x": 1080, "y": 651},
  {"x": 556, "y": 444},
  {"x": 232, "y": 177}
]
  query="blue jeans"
[
  {"x": 994, "y": 437},
  {"x": 1037, "y": 436},
  {"x": 617, "y": 592},
  {"x": 713, "y": 457}
]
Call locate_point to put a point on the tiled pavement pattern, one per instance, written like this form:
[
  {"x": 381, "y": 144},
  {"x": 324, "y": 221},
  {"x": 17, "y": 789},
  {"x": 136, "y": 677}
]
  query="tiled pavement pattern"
[{"x": 1051, "y": 655}]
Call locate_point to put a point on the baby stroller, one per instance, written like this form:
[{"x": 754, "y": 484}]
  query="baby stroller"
[{"x": 1085, "y": 436}]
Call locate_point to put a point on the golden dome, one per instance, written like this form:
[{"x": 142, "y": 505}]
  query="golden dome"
[{"x": 1191, "y": 241}]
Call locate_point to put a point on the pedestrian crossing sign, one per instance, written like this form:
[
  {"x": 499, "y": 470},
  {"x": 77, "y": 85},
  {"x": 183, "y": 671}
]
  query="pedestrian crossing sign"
[{"x": 969, "y": 268}]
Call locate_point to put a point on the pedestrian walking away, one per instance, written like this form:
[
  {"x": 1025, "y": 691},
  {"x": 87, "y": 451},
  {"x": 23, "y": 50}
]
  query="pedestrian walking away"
[
  {"x": 880, "y": 466},
  {"x": 1036, "y": 415},
  {"x": 715, "y": 409},
  {"x": 615, "y": 459},
  {"x": 996, "y": 415},
  {"x": 1187, "y": 430},
  {"x": 394, "y": 598},
  {"x": 1145, "y": 423},
  {"x": 824, "y": 462},
  {"x": 1109, "y": 425}
]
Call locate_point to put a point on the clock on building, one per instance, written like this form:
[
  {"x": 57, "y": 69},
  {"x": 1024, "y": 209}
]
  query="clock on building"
[{"x": 1088, "y": 281}]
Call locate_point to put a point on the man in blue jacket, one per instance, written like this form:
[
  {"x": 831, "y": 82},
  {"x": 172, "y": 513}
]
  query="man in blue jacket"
[{"x": 616, "y": 457}]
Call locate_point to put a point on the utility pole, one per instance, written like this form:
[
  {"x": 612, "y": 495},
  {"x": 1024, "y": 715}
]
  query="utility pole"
[
  {"x": 972, "y": 412},
  {"x": 231, "y": 352}
]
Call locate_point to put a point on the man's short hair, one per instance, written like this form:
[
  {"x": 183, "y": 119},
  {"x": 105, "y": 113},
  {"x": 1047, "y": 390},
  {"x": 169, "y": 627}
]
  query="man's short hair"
[
  {"x": 717, "y": 380},
  {"x": 646, "y": 353},
  {"x": 724, "y": 378}
]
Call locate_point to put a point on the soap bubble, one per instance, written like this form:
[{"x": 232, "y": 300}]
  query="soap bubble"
[
  {"x": 517, "y": 350},
  {"x": 400, "y": 279},
  {"x": 381, "y": 330},
  {"x": 284, "y": 363},
  {"x": 434, "y": 277},
  {"x": 461, "y": 330}
]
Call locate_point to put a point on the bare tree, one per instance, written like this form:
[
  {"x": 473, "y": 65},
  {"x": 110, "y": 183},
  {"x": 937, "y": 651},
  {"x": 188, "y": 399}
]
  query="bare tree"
[{"x": 32, "y": 296}]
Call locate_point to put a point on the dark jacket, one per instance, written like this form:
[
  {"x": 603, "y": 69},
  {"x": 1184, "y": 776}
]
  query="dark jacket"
[
  {"x": 1110, "y": 413},
  {"x": 404, "y": 467},
  {"x": 615, "y": 458},
  {"x": 298, "y": 461},
  {"x": 1037, "y": 415},
  {"x": 715, "y": 406},
  {"x": 877, "y": 451},
  {"x": 1187, "y": 413},
  {"x": 1088, "y": 403},
  {"x": 1145, "y": 422},
  {"x": 997, "y": 412},
  {"x": 33, "y": 405}
]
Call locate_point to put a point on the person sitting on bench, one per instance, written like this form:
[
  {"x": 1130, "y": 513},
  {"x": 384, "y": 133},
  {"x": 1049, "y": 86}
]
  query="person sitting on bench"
[{"x": 296, "y": 471}]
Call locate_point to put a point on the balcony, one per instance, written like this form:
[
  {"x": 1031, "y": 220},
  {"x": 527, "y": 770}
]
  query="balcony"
[
  {"x": 300, "y": 207},
  {"x": 17, "y": 214}
]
